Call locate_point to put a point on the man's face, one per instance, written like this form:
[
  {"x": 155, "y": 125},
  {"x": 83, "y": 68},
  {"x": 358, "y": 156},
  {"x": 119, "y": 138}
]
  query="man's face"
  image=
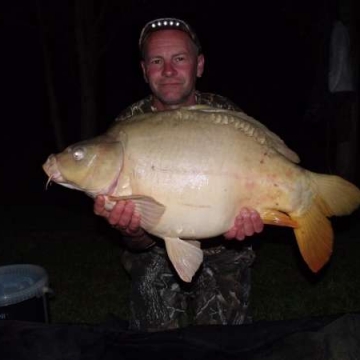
[{"x": 171, "y": 66}]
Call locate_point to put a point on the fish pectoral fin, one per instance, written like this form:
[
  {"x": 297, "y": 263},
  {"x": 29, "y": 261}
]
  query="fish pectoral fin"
[
  {"x": 149, "y": 209},
  {"x": 314, "y": 237},
  {"x": 185, "y": 257},
  {"x": 275, "y": 217}
]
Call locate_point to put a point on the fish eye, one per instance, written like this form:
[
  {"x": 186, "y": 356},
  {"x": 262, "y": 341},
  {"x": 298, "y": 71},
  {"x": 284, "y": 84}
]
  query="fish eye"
[{"x": 78, "y": 153}]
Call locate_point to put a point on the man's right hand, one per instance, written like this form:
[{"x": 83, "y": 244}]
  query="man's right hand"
[{"x": 124, "y": 218}]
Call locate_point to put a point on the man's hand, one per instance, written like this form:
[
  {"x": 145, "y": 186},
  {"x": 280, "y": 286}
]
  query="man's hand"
[
  {"x": 122, "y": 216},
  {"x": 247, "y": 223}
]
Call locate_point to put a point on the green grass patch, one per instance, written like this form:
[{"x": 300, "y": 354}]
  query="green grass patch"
[{"x": 284, "y": 288}]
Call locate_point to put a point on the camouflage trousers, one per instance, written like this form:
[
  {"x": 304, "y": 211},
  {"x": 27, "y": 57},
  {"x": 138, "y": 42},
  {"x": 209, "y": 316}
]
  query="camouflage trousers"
[{"x": 218, "y": 294}]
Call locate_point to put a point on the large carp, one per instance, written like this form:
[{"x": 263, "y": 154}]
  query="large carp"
[{"x": 189, "y": 171}]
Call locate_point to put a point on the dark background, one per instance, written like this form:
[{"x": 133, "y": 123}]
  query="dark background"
[
  {"x": 72, "y": 66},
  {"x": 271, "y": 58}
]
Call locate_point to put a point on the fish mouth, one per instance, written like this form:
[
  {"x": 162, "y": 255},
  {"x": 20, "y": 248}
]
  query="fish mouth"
[{"x": 51, "y": 169}]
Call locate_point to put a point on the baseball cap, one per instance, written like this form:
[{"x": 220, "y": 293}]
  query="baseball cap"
[{"x": 167, "y": 23}]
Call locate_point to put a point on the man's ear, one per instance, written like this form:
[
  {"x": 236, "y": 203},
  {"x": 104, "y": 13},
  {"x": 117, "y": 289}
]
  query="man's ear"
[
  {"x": 200, "y": 65},
  {"x": 143, "y": 67}
]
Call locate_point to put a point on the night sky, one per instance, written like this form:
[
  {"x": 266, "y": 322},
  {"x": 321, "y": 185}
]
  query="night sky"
[{"x": 268, "y": 58}]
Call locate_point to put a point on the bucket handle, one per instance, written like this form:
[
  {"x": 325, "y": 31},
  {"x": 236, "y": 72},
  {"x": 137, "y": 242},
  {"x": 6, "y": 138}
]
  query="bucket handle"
[{"x": 47, "y": 290}]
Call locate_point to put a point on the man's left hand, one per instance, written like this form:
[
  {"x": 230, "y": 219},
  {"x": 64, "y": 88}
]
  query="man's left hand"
[{"x": 247, "y": 223}]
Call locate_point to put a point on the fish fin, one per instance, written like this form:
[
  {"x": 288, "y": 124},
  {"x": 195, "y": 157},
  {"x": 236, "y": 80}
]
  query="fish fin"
[
  {"x": 149, "y": 209},
  {"x": 275, "y": 217},
  {"x": 339, "y": 196},
  {"x": 334, "y": 196},
  {"x": 185, "y": 257},
  {"x": 195, "y": 243},
  {"x": 314, "y": 236}
]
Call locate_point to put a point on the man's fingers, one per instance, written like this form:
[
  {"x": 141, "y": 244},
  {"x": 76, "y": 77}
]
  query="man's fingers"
[
  {"x": 231, "y": 234},
  {"x": 99, "y": 207},
  {"x": 250, "y": 221},
  {"x": 124, "y": 217},
  {"x": 247, "y": 223},
  {"x": 240, "y": 234},
  {"x": 134, "y": 224},
  {"x": 116, "y": 214},
  {"x": 257, "y": 222}
]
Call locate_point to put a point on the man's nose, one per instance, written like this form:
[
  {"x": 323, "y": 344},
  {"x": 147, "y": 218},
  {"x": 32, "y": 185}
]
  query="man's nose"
[{"x": 168, "y": 69}]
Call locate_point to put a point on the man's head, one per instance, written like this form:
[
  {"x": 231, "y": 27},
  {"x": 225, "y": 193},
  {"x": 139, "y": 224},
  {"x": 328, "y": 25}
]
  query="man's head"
[{"x": 172, "y": 61}]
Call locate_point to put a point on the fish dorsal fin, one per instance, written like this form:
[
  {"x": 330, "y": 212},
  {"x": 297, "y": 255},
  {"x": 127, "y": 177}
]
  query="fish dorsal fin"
[
  {"x": 149, "y": 209},
  {"x": 249, "y": 126},
  {"x": 185, "y": 257}
]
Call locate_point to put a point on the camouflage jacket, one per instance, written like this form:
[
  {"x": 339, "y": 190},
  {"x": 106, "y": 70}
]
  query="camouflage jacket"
[{"x": 145, "y": 105}]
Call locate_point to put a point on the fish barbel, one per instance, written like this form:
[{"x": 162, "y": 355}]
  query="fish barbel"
[{"x": 189, "y": 172}]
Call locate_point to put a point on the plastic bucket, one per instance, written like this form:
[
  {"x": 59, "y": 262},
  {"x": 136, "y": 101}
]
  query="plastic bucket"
[{"x": 23, "y": 293}]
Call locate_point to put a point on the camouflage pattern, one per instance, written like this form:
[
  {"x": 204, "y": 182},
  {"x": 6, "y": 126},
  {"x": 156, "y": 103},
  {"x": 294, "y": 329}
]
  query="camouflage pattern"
[
  {"x": 145, "y": 105},
  {"x": 220, "y": 291}
]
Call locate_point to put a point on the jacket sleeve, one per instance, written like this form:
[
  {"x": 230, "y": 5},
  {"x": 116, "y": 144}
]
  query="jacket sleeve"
[{"x": 218, "y": 101}]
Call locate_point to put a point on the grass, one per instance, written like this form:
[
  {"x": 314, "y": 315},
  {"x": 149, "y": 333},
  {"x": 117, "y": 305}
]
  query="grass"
[
  {"x": 283, "y": 288},
  {"x": 82, "y": 258}
]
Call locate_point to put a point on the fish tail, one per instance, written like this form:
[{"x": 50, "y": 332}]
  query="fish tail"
[
  {"x": 340, "y": 197},
  {"x": 314, "y": 235}
]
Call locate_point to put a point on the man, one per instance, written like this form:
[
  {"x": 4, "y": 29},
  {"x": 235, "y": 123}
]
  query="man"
[{"x": 171, "y": 62}]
